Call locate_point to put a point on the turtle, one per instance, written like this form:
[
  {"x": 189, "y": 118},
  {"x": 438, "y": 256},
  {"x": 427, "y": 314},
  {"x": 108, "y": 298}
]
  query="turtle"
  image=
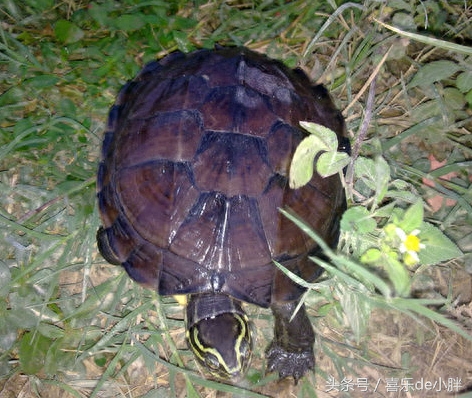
[{"x": 193, "y": 171}]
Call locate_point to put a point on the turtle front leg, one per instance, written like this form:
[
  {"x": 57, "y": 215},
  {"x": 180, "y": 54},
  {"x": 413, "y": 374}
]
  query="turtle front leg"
[{"x": 291, "y": 351}]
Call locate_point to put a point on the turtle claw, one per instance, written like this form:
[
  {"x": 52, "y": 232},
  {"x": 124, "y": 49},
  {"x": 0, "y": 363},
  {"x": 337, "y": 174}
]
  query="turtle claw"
[{"x": 294, "y": 364}]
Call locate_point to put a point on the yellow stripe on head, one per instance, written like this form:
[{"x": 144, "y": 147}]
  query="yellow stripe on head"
[{"x": 238, "y": 349}]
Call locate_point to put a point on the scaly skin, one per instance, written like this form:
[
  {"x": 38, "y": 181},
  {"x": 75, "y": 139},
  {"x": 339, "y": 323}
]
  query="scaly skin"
[{"x": 291, "y": 351}]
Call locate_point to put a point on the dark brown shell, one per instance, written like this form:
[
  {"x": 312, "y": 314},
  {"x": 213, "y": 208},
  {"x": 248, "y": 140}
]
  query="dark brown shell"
[{"x": 194, "y": 168}]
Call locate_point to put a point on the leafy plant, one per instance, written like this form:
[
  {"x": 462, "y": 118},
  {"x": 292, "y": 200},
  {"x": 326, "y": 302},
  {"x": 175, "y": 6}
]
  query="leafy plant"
[
  {"x": 388, "y": 238},
  {"x": 322, "y": 145}
]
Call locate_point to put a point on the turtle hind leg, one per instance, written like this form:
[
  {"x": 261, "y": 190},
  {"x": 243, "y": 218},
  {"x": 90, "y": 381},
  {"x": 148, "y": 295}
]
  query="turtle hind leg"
[{"x": 291, "y": 351}]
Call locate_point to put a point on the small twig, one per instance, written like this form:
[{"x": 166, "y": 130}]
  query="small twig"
[
  {"x": 365, "y": 123},
  {"x": 369, "y": 81},
  {"x": 55, "y": 200},
  {"x": 361, "y": 135},
  {"x": 39, "y": 209}
]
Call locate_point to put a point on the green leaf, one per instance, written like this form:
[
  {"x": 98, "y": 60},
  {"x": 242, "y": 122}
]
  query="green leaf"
[
  {"x": 32, "y": 353},
  {"x": 398, "y": 275},
  {"x": 356, "y": 308},
  {"x": 301, "y": 169},
  {"x": 328, "y": 140},
  {"x": 321, "y": 139},
  {"x": 375, "y": 174},
  {"x": 464, "y": 81},
  {"x": 434, "y": 72},
  {"x": 50, "y": 331},
  {"x": 100, "y": 360},
  {"x": 454, "y": 98},
  {"x": 357, "y": 219},
  {"x": 43, "y": 81},
  {"x": 468, "y": 98},
  {"x": 382, "y": 178},
  {"x": 99, "y": 13},
  {"x": 130, "y": 22},
  {"x": 371, "y": 256},
  {"x": 331, "y": 162},
  {"x": 365, "y": 169},
  {"x": 68, "y": 107},
  {"x": 413, "y": 217},
  {"x": 438, "y": 247},
  {"x": 8, "y": 331},
  {"x": 67, "y": 32},
  {"x": 404, "y": 20}
]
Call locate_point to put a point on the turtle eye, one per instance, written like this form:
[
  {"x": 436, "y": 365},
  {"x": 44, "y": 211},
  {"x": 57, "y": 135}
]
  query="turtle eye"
[{"x": 212, "y": 361}]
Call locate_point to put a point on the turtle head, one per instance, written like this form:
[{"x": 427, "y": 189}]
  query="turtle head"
[{"x": 219, "y": 335}]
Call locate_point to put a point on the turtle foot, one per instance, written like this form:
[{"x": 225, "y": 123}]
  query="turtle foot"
[{"x": 294, "y": 364}]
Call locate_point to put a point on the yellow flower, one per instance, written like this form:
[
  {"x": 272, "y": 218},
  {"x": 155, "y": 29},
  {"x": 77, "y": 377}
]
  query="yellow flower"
[
  {"x": 410, "y": 246},
  {"x": 412, "y": 242}
]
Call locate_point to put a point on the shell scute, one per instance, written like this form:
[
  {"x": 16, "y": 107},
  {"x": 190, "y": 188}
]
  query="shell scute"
[
  {"x": 240, "y": 110},
  {"x": 233, "y": 164},
  {"x": 155, "y": 197},
  {"x": 172, "y": 135}
]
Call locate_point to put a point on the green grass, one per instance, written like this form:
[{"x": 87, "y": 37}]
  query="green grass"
[{"x": 71, "y": 325}]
